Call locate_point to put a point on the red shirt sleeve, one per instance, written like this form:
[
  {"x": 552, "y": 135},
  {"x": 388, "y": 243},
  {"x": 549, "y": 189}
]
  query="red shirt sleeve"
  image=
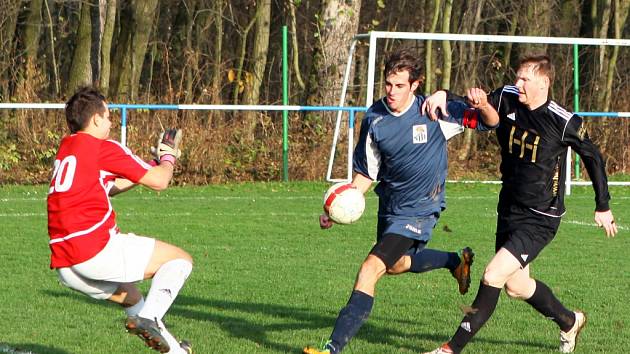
[{"x": 121, "y": 162}]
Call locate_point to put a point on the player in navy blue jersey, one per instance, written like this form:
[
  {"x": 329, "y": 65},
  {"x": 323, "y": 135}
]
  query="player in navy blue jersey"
[
  {"x": 406, "y": 153},
  {"x": 534, "y": 133}
]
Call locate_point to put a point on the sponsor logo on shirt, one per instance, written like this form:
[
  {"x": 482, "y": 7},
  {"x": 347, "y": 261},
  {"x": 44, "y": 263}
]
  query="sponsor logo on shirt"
[
  {"x": 512, "y": 116},
  {"x": 420, "y": 135}
]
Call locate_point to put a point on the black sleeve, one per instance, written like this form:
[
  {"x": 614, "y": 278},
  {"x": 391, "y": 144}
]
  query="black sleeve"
[{"x": 576, "y": 136}]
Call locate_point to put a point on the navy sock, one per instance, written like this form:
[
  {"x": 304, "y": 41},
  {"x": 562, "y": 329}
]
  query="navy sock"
[
  {"x": 547, "y": 304},
  {"x": 350, "y": 320},
  {"x": 482, "y": 309},
  {"x": 429, "y": 259}
]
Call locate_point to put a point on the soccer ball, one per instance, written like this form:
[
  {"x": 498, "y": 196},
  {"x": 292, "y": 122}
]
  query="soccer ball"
[{"x": 344, "y": 203}]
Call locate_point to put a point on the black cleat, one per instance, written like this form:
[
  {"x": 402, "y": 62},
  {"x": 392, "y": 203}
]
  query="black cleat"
[{"x": 149, "y": 331}]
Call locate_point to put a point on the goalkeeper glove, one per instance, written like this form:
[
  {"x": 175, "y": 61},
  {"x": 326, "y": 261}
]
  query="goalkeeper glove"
[{"x": 168, "y": 146}]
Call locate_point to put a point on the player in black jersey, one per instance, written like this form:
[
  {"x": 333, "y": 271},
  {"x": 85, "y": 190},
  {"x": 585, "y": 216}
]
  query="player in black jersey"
[{"x": 534, "y": 133}]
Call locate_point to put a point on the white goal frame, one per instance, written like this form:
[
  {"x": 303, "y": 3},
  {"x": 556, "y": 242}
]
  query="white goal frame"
[{"x": 373, "y": 36}]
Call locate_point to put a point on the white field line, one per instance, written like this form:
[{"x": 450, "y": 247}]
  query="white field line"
[
  {"x": 314, "y": 214},
  {"x": 210, "y": 197}
]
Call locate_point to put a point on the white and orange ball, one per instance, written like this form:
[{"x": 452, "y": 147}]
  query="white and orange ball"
[{"x": 344, "y": 203}]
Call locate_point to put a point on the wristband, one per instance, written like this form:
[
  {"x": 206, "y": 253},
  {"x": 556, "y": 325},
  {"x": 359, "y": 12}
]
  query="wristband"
[{"x": 168, "y": 158}]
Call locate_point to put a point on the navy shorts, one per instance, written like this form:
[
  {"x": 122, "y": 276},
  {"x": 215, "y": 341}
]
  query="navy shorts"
[
  {"x": 397, "y": 237},
  {"x": 524, "y": 233}
]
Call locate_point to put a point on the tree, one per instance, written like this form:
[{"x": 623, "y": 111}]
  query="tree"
[
  {"x": 106, "y": 43},
  {"x": 259, "y": 60},
  {"x": 337, "y": 22},
  {"x": 81, "y": 70},
  {"x": 135, "y": 29}
]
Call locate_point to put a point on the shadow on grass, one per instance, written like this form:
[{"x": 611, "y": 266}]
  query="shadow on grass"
[
  {"x": 229, "y": 316},
  {"x": 230, "y": 319},
  {"x": 29, "y": 348}
]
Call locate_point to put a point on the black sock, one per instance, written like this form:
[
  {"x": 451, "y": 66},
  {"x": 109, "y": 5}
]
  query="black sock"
[
  {"x": 429, "y": 259},
  {"x": 547, "y": 304},
  {"x": 350, "y": 320},
  {"x": 482, "y": 309}
]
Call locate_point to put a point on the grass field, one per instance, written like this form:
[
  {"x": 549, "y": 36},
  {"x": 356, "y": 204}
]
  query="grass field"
[{"x": 268, "y": 280}]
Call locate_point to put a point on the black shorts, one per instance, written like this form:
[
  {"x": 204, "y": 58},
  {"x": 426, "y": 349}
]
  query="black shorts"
[
  {"x": 391, "y": 247},
  {"x": 523, "y": 232}
]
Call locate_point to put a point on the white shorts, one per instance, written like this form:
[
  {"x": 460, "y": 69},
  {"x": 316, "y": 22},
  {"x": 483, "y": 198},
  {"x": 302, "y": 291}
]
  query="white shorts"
[{"x": 123, "y": 260}]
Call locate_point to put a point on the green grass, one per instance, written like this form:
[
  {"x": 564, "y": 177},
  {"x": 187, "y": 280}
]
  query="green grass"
[{"x": 268, "y": 280}]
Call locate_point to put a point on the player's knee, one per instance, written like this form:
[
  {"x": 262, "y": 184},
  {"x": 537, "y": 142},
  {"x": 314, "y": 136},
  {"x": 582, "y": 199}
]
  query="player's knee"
[
  {"x": 493, "y": 277},
  {"x": 372, "y": 268},
  {"x": 512, "y": 293},
  {"x": 399, "y": 267},
  {"x": 186, "y": 256}
]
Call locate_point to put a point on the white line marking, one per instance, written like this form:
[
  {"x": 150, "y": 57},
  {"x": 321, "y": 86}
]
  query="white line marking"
[
  {"x": 306, "y": 197},
  {"x": 582, "y": 223}
]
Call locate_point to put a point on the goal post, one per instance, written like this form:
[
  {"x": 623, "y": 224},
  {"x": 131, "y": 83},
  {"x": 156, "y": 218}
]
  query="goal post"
[{"x": 373, "y": 36}]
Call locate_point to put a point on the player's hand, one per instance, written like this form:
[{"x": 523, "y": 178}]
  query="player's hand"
[
  {"x": 477, "y": 98},
  {"x": 605, "y": 220},
  {"x": 168, "y": 145},
  {"x": 325, "y": 222},
  {"x": 433, "y": 103}
]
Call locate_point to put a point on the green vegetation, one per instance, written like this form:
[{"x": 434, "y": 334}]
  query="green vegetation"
[{"x": 268, "y": 280}]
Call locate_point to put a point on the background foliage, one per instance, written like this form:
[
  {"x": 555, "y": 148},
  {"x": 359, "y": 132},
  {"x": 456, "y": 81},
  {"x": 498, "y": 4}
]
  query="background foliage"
[{"x": 229, "y": 52}]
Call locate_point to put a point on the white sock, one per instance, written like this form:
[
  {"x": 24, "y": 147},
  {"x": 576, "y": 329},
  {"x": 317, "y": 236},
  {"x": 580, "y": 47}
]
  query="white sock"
[
  {"x": 173, "y": 343},
  {"x": 134, "y": 310},
  {"x": 167, "y": 282}
]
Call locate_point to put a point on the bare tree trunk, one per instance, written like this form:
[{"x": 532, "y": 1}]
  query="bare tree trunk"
[
  {"x": 190, "y": 55},
  {"x": 136, "y": 25},
  {"x": 470, "y": 76},
  {"x": 538, "y": 22},
  {"x": 239, "y": 85},
  {"x": 294, "y": 44},
  {"x": 81, "y": 70},
  {"x": 621, "y": 14},
  {"x": 106, "y": 45},
  {"x": 33, "y": 30},
  {"x": 51, "y": 38},
  {"x": 7, "y": 33},
  {"x": 217, "y": 52},
  {"x": 259, "y": 58},
  {"x": 447, "y": 55},
  {"x": 338, "y": 22},
  {"x": 604, "y": 59},
  {"x": 429, "y": 71},
  {"x": 145, "y": 13}
]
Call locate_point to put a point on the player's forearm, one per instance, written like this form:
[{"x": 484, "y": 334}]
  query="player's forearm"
[
  {"x": 489, "y": 115},
  {"x": 158, "y": 177},
  {"x": 361, "y": 182},
  {"x": 121, "y": 185}
]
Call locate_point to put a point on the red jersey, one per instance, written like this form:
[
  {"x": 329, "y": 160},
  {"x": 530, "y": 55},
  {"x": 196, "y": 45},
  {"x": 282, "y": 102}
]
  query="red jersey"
[{"x": 80, "y": 214}]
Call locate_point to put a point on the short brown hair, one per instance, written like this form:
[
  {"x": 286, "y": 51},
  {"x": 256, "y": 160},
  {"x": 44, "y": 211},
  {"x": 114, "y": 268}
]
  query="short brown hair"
[
  {"x": 541, "y": 65},
  {"x": 403, "y": 60},
  {"x": 82, "y": 106}
]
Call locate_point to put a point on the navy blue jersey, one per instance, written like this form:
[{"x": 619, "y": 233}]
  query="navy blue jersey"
[
  {"x": 406, "y": 153},
  {"x": 533, "y": 153}
]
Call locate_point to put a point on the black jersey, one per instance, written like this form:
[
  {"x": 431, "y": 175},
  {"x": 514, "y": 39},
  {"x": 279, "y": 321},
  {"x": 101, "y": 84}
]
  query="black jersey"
[{"x": 533, "y": 151}]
